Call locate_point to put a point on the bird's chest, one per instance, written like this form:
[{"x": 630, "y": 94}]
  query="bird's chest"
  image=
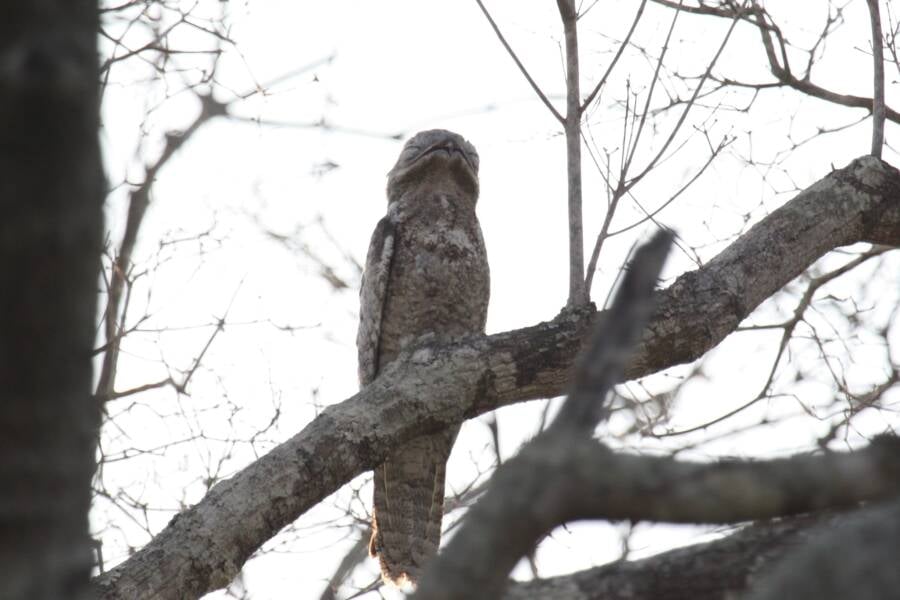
[
  {"x": 439, "y": 275},
  {"x": 438, "y": 243}
]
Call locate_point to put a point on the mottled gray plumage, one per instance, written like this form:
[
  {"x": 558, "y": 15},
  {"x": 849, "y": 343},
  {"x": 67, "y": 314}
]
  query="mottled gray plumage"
[{"x": 426, "y": 273}]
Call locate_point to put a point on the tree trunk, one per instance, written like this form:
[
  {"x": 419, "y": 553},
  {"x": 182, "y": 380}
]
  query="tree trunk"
[{"x": 51, "y": 194}]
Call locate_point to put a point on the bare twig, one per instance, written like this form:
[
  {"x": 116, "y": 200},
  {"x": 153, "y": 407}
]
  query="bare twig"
[
  {"x": 653, "y": 162},
  {"x": 625, "y": 184},
  {"x": 354, "y": 556},
  {"x": 788, "y": 327},
  {"x": 139, "y": 201},
  {"x": 757, "y": 16},
  {"x": 633, "y": 143},
  {"x": 512, "y": 54},
  {"x": 615, "y": 60},
  {"x": 114, "y": 319}
]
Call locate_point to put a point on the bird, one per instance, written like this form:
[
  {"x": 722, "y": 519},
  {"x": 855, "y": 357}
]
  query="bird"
[{"x": 426, "y": 274}]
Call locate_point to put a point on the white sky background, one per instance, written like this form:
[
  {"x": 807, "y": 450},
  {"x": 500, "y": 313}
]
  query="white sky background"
[{"x": 402, "y": 66}]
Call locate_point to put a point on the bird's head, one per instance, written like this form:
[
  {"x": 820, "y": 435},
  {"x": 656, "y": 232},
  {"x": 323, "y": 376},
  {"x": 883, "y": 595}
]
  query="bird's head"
[{"x": 437, "y": 157}]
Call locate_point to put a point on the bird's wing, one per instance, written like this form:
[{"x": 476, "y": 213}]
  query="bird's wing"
[{"x": 372, "y": 295}]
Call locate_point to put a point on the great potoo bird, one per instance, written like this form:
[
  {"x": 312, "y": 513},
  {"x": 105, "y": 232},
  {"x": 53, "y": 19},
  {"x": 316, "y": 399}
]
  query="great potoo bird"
[{"x": 426, "y": 273}]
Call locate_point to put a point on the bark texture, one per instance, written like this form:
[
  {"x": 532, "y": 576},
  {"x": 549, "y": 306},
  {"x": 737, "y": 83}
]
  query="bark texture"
[
  {"x": 426, "y": 389},
  {"x": 557, "y": 479},
  {"x": 716, "y": 570},
  {"x": 529, "y": 495},
  {"x": 855, "y": 558},
  {"x": 51, "y": 193}
]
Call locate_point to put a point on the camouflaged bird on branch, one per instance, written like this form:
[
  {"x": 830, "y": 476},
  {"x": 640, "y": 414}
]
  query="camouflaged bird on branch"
[{"x": 426, "y": 273}]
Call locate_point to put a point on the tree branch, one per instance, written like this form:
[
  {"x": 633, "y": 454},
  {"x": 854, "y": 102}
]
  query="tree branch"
[
  {"x": 601, "y": 364},
  {"x": 523, "y": 498},
  {"x": 704, "y": 571},
  {"x": 559, "y": 478},
  {"x": 138, "y": 202},
  {"x": 615, "y": 60},
  {"x": 878, "y": 113},
  {"x": 428, "y": 388},
  {"x": 855, "y": 558},
  {"x": 572, "y": 127},
  {"x": 522, "y": 69},
  {"x": 782, "y": 73},
  {"x": 563, "y": 475}
]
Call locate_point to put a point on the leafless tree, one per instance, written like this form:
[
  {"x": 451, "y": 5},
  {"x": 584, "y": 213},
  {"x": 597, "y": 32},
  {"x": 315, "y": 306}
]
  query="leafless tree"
[{"x": 813, "y": 271}]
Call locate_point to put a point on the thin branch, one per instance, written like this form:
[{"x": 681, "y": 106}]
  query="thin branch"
[
  {"x": 878, "y": 112},
  {"x": 354, "y": 556},
  {"x": 788, "y": 331},
  {"x": 572, "y": 126},
  {"x": 139, "y": 201},
  {"x": 633, "y": 143},
  {"x": 615, "y": 60},
  {"x": 756, "y": 16},
  {"x": 634, "y": 180},
  {"x": 512, "y": 54},
  {"x": 265, "y": 87},
  {"x": 114, "y": 320},
  {"x": 322, "y": 124}
]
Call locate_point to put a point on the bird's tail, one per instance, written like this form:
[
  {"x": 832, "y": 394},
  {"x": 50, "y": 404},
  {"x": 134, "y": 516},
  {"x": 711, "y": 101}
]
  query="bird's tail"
[{"x": 409, "y": 506}]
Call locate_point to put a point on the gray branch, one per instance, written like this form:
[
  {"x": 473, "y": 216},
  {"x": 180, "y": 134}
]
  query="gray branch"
[
  {"x": 428, "y": 388},
  {"x": 558, "y": 478},
  {"x": 855, "y": 559},
  {"x": 578, "y": 294},
  {"x": 600, "y": 366},
  {"x": 561, "y": 476},
  {"x": 715, "y": 570},
  {"x": 878, "y": 106}
]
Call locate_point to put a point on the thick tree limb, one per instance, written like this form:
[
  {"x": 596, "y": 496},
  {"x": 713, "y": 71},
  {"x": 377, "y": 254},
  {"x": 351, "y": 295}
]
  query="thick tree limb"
[
  {"x": 563, "y": 475},
  {"x": 601, "y": 364},
  {"x": 557, "y": 479},
  {"x": 857, "y": 559},
  {"x": 427, "y": 388},
  {"x": 707, "y": 571}
]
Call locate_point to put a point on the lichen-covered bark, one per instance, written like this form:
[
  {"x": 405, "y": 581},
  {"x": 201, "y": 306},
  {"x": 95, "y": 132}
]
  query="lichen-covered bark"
[
  {"x": 429, "y": 388},
  {"x": 51, "y": 192},
  {"x": 859, "y": 203}
]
